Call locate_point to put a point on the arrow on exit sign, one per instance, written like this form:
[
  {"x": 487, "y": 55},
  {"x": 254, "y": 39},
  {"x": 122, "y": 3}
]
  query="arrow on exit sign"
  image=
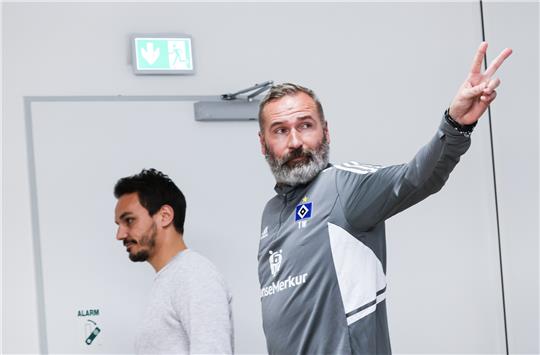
[{"x": 150, "y": 54}]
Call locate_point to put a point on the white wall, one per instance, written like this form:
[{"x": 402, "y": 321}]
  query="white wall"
[
  {"x": 516, "y": 164},
  {"x": 385, "y": 74}
]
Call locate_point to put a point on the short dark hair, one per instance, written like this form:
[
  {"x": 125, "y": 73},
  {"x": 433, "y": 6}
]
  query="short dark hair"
[
  {"x": 288, "y": 89},
  {"x": 155, "y": 189}
]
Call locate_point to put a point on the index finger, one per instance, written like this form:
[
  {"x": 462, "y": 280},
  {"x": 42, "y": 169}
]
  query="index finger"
[
  {"x": 496, "y": 63},
  {"x": 478, "y": 58}
]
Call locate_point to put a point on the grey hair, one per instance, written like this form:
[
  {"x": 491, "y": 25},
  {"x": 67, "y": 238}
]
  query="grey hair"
[{"x": 288, "y": 89}]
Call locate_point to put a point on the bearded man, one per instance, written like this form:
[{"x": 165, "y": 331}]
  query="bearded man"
[
  {"x": 190, "y": 306},
  {"x": 322, "y": 252}
]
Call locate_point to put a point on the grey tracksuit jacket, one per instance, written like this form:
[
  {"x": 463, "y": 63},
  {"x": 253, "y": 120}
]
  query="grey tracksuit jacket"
[{"x": 322, "y": 252}]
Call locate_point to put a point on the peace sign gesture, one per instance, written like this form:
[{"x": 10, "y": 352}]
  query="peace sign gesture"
[{"x": 478, "y": 90}]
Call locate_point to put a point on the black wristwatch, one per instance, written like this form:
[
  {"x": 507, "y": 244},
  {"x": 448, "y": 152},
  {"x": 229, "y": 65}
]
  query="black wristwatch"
[{"x": 466, "y": 130}]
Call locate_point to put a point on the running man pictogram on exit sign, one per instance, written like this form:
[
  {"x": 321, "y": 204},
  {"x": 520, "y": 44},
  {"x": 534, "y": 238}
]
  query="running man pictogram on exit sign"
[{"x": 162, "y": 54}]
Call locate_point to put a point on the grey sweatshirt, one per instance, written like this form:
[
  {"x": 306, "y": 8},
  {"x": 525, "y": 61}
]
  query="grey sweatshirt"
[{"x": 189, "y": 310}]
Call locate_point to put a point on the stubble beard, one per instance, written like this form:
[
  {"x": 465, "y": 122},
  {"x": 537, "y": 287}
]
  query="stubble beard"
[
  {"x": 303, "y": 172},
  {"x": 148, "y": 241}
]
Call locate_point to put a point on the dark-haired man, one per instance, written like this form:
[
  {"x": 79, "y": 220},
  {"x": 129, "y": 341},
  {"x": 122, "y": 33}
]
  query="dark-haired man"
[
  {"x": 322, "y": 252},
  {"x": 190, "y": 306}
]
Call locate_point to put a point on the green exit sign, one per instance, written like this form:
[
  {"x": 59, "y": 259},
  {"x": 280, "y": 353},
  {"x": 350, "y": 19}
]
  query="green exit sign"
[{"x": 162, "y": 54}]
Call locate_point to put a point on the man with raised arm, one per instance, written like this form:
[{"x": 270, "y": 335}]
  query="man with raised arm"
[{"x": 322, "y": 253}]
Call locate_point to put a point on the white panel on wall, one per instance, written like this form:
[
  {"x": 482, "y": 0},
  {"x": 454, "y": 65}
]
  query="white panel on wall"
[{"x": 81, "y": 150}]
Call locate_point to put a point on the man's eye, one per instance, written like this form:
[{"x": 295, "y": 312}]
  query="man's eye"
[
  {"x": 129, "y": 220},
  {"x": 305, "y": 125},
  {"x": 280, "y": 131}
]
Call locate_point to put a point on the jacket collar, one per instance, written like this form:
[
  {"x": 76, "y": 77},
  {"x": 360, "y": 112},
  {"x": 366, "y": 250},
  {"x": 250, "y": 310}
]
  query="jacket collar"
[{"x": 289, "y": 192}]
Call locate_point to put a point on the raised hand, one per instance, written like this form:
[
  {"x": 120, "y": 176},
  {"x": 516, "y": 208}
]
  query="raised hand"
[{"x": 478, "y": 90}]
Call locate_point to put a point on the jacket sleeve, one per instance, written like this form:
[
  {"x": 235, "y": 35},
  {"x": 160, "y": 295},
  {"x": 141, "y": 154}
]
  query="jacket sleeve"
[{"x": 371, "y": 197}]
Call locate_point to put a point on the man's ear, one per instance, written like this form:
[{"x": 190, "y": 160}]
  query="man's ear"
[
  {"x": 165, "y": 216},
  {"x": 326, "y": 132},
  {"x": 263, "y": 143}
]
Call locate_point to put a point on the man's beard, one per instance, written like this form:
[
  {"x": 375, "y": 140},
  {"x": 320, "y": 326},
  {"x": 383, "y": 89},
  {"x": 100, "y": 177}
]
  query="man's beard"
[
  {"x": 302, "y": 172},
  {"x": 149, "y": 241}
]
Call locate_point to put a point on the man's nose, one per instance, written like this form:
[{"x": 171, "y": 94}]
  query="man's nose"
[
  {"x": 295, "y": 141},
  {"x": 121, "y": 234}
]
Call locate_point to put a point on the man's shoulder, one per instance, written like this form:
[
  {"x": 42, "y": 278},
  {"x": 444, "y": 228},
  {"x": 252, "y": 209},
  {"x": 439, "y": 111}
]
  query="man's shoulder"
[
  {"x": 194, "y": 260},
  {"x": 351, "y": 175},
  {"x": 192, "y": 268},
  {"x": 195, "y": 280},
  {"x": 357, "y": 168}
]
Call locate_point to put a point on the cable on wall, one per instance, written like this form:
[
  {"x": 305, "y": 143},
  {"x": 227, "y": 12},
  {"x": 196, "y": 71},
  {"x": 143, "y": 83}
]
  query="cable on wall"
[{"x": 495, "y": 189}]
